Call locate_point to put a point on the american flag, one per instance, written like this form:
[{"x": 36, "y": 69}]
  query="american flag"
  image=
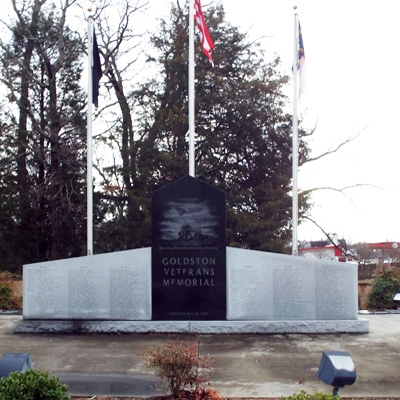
[{"x": 206, "y": 42}]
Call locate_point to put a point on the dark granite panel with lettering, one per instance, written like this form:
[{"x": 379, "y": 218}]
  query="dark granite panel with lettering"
[{"x": 188, "y": 252}]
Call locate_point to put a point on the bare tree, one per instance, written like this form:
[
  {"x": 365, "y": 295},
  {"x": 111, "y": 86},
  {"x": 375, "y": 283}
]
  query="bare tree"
[
  {"x": 119, "y": 42},
  {"x": 41, "y": 67}
]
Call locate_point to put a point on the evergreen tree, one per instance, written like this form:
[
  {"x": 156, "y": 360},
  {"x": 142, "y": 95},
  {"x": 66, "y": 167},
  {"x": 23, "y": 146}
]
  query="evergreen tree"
[{"x": 243, "y": 134}]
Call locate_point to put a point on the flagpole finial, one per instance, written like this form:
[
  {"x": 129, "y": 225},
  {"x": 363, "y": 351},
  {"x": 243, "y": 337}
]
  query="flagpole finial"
[{"x": 90, "y": 6}]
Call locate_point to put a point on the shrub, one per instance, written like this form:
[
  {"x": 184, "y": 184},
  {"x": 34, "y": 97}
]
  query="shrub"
[
  {"x": 303, "y": 395},
  {"x": 204, "y": 394},
  {"x": 384, "y": 286},
  {"x": 32, "y": 385},
  {"x": 181, "y": 365},
  {"x": 6, "y": 291}
]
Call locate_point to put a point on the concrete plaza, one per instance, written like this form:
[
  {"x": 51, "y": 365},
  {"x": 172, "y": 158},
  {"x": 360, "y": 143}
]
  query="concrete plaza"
[{"x": 247, "y": 365}]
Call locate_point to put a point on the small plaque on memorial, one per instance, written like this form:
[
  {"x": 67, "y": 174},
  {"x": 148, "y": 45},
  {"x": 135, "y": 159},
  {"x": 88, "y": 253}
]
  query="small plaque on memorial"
[{"x": 188, "y": 252}]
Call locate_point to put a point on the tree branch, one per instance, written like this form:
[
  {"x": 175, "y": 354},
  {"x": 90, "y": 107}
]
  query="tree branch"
[
  {"x": 340, "y": 145},
  {"x": 339, "y": 247}
]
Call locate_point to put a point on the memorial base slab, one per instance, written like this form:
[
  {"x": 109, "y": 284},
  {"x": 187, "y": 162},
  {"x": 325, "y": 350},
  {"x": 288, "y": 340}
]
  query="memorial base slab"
[{"x": 201, "y": 327}]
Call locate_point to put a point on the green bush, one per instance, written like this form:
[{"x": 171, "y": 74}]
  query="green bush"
[
  {"x": 303, "y": 395},
  {"x": 32, "y": 385},
  {"x": 180, "y": 364},
  {"x": 385, "y": 285}
]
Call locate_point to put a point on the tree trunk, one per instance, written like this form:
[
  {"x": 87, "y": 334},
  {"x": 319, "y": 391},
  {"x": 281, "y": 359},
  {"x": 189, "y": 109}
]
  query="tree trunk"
[{"x": 25, "y": 207}]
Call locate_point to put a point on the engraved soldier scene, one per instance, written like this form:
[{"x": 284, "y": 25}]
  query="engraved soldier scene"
[{"x": 191, "y": 223}]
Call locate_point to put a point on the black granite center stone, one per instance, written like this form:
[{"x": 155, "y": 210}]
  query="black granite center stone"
[{"x": 188, "y": 252}]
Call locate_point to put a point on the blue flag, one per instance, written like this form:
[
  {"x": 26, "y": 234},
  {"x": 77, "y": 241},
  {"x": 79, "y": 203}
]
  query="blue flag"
[
  {"x": 96, "y": 71},
  {"x": 301, "y": 65}
]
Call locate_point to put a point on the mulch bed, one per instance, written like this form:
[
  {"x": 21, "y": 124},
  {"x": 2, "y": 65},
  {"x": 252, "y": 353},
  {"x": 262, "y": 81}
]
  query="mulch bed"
[{"x": 227, "y": 398}]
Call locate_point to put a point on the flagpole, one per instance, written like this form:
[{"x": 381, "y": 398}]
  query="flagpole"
[
  {"x": 295, "y": 205},
  {"x": 89, "y": 141},
  {"x": 191, "y": 90}
]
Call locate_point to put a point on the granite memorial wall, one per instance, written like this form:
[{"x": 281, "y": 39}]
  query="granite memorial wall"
[
  {"x": 269, "y": 286},
  {"x": 259, "y": 286},
  {"x": 112, "y": 286}
]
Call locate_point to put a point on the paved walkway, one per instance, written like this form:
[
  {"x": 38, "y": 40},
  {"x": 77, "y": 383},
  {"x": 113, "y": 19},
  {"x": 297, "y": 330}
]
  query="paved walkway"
[{"x": 247, "y": 365}]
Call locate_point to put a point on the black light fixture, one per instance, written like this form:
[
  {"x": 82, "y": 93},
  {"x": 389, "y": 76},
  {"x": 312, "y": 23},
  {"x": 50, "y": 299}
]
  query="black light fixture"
[
  {"x": 337, "y": 369},
  {"x": 14, "y": 362},
  {"x": 396, "y": 300}
]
